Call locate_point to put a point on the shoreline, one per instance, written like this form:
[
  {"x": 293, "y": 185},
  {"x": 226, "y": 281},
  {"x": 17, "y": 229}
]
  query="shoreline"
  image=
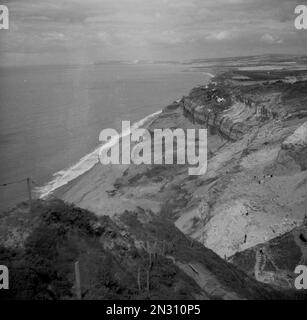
[
  {"x": 86, "y": 163},
  {"x": 99, "y": 189},
  {"x": 70, "y": 123},
  {"x": 68, "y": 175}
]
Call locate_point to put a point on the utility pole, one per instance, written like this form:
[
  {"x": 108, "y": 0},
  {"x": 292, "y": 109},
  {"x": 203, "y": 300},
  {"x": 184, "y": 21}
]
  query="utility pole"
[
  {"x": 30, "y": 193},
  {"x": 78, "y": 281}
]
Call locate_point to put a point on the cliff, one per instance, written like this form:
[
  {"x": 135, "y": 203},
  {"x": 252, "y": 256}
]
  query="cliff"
[
  {"x": 259, "y": 185},
  {"x": 200, "y": 237},
  {"x": 255, "y": 186}
]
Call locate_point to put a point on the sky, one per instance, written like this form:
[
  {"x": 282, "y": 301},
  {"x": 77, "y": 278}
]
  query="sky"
[{"x": 87, "y": 31}]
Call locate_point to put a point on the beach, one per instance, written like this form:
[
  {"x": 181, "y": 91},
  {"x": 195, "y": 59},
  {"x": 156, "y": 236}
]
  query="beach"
[{"x": 51, "y": 116}]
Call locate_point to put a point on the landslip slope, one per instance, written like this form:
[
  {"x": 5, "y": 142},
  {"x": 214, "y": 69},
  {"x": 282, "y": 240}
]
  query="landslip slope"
[{"x": 255, "y": 186}]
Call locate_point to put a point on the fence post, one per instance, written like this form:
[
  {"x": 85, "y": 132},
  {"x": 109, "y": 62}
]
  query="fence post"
[
  {"x": 139, "y": 279},
  {"x": 149, "y": 253},
  {"x": 155, "y": 251},
  {"x": 148, "y": 280},
  {"x": 78, "y": 281}
]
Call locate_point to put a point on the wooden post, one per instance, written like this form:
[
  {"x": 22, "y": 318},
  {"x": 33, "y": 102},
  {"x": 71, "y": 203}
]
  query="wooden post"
[
  {"x": 78, "y": 281},
  {"x": 155, "y": 251},
  {"x": 29, "y": 193},
  {"x": 192, "y": 243},
  {"x": 139, "y": 279},
  {"x": 148, "y": 280},
  {"x": 149, "y": 253}
]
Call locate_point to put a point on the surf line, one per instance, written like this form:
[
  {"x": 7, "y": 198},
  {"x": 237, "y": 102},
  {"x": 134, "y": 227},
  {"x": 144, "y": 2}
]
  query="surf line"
[{"x": 87, "y": 162}]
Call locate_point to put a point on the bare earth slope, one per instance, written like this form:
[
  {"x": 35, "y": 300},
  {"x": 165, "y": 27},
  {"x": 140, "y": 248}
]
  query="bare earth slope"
[
  {"x": 255, "y": 188},
  {"x": 274, "y": 261}
]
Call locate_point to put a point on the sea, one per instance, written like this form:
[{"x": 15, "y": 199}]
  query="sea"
[{"x": 51, "y": 117}]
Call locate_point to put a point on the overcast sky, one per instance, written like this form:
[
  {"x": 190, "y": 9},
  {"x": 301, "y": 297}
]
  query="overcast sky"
[{"x": 83, "y": 31}]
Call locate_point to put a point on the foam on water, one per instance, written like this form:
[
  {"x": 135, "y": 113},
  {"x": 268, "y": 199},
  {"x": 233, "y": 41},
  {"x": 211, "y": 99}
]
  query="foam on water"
[{"x": 63, "y": 177}]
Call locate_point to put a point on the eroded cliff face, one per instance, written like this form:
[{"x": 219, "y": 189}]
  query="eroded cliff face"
[
  {"x": 233, "y": 109},
  {"x": 214, "y": 108},
  {"x": 258, "y": 186},
  {"x": 255, "y": 187}
]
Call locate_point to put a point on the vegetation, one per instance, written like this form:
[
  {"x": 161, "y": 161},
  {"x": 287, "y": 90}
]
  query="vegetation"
[{"x": 43, "y": 266}]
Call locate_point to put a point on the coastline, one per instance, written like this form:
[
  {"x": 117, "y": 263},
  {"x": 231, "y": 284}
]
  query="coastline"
[
  {"x": 241, "y": 150},
  {"x": 86, "y": 163},
  {"x": 64, "y": 120},
  {"x": 97, "y": 189},
  {"x": 248, "y": 207}
]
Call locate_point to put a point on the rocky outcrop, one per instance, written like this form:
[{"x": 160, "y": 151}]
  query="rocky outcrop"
[
  {"x": 295, "y": 146},
  {"x": 231, "y": 116},
  {"x": 260, "y": 182}
]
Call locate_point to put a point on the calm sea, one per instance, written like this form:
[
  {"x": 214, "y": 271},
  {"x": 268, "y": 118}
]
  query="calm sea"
[{"x": 51, "y": 116}]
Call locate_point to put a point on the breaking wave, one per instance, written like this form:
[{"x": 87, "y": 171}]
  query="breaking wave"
[{"x": 87, "y": 162}]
